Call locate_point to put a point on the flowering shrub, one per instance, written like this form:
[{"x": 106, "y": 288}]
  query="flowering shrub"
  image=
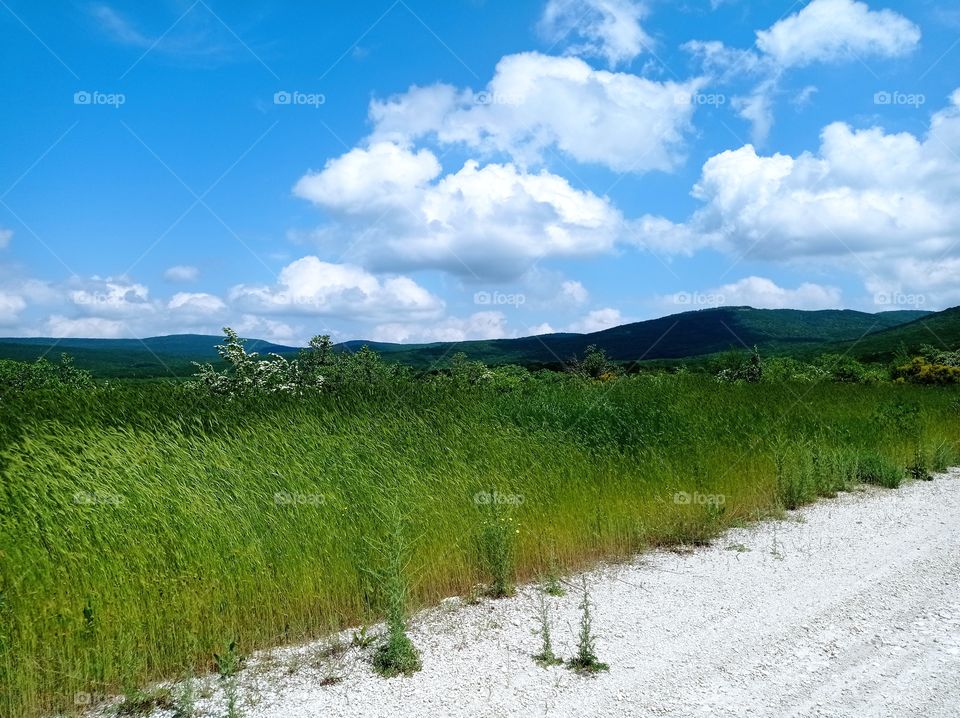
[
  {"x": 316, "y": 368},
  {"x": 248, "y": 373},
  {"x": 944, "y": 358},
  {"x": 921, "y": 371},
  {"x": 750, "y": 371}
]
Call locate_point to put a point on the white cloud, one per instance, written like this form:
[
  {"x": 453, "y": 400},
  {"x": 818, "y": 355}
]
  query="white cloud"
[
  {"x": 605, "y": 28},
  {"x": 84, "y": 327},
  {"x": 539, "y": 329},
  {"x": 762, "y": 293},
  {"x": 5, "y": 236},
  {"x": 825, "y": 31},
  {"x": 111, "y": 297},
  {"x": 490, "y": 222},
  {"x": 199, "y": 303},
  {"x": 805, "y": 96},
  {"x": 886, "y": 206},
  {"x": 757, "y": 109},
  {"x": 535, "y": 102},
  {"x": 574, "y": 291},
  {"x": 181, "y": 273},
  {"x": 10, "y": 307},
  {"x": 598, "y": 320},
  {"x": 383, "y": 176},
  {"x": 196, "y": 35},
  {"x": 480, "y": 325},
  {"x": 838, "y": 30},
  {"x": 310, "y": 286},
  {"x": 660, "y": 235},
  {"x": 269, "y": 329}
]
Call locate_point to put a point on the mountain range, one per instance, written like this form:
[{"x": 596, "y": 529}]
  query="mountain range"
[{"x": 685, "y": 336}]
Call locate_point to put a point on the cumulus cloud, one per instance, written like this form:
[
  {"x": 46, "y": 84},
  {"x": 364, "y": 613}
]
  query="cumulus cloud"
[
  {"x": 382, "y": 176},
  {"x": 58, "y": 326},
  {"x": 885, "y": 205},
  {"x": 10, "y": 307},
  {"x": 539, "y": 329},
  {"x": 111, "y": 297},
  {"x": 273, "y": 330},
  {"x": 763, "y": 293},
  {"x": 181, "y": 273},
  {"x": 574, "y": 292},
  {"x": 310, "y": 286},
  {"x": 536, "y": 102},
  {"x": 609, "y": 29},
  {"x": 838, "y": 30},
  {"x": 480, "y": 325},
  {"x": 490, "y": 222},
  {"x": 823, "y": 31},
  {"x": 598, "y": 320},
  {"x": 199, "y": 303}
]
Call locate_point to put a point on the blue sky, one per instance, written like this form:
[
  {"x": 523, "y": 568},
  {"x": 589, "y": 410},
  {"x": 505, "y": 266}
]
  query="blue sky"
[{"x": 419, "y": 171}]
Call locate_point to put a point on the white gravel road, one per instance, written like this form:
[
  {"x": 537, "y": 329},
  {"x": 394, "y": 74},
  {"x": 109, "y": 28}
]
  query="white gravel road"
[{"x": 850, "y": 607}]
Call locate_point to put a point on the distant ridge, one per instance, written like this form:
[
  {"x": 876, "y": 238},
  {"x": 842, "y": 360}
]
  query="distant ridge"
[{"x": 678, "y": 336}]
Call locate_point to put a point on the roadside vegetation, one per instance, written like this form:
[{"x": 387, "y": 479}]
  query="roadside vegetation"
[{"x": 153, "y": 530}]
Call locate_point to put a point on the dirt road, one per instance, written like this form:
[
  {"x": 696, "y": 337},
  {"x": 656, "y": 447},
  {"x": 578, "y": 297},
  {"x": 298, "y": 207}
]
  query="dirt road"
[{"x": 850, "y": 607}]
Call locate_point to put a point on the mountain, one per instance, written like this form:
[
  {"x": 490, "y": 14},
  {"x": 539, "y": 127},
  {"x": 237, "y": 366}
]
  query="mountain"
[
  {"x": 154, "y": 356},
  {"x": 940, "y": 330},
  {"x": 688, "y": 334}
]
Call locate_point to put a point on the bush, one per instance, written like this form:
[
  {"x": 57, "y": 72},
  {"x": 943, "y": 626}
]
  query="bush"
[
  {"x": 945, "y": 358},
  {"x": 18, "y": 376},
  {"x": 595, "y": 364},
  {"x": 877, "y": 469},
  {"x": 788, "y": 369},
  {"x": 248, "y": 374},
  {"x": 921, "y": 371},
  {"x": 749, "y": 370},
  {"x": 843, "y": 368}
]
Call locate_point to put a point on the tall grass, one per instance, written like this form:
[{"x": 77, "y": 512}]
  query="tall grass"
[{"x": 143, "y": 528}]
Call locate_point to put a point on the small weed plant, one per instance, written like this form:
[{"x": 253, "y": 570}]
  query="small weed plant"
[{"x": 585, "y": 661}]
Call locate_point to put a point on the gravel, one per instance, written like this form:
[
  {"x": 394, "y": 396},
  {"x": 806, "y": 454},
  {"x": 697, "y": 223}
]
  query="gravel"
[{"x": 849, "y": 607}]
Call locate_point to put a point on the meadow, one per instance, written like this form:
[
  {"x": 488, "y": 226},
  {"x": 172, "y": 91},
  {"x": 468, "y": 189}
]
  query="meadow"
[{"x": 144, "y": 527}]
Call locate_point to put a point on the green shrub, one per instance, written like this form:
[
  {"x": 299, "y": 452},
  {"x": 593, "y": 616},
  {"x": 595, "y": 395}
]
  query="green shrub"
[
  {"x": 497, "y": 543},
  {"x": 18, "y": 376},
  {"x": 749, "y": 370},
  {"x": 594, "y": 364},
  {"x": 877, "y": 469},
  {"x": 844, "y": 368},
  {"x": 921, "y": 371}
]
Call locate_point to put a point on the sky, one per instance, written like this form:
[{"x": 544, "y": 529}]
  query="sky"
[{"x": 414, "y": 170}]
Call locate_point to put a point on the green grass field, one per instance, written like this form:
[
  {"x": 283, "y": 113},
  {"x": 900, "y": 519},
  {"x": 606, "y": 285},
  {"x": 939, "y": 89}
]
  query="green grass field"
[{"x": 145, "y": 526}]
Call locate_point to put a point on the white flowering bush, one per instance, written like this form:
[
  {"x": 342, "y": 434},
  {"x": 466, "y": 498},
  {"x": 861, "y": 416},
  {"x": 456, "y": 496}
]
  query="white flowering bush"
[{"x": 248, "y": 373}]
